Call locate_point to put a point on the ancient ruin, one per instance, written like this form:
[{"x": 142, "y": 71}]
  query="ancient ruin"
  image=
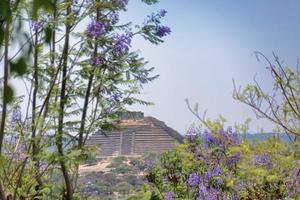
[{"x": 136, "y": 135}]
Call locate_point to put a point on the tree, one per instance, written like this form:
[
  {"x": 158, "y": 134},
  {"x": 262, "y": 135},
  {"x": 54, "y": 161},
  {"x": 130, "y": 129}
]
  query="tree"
[
  {"x": 79, "y": 81},
  {"x": 281, "y": 105}
]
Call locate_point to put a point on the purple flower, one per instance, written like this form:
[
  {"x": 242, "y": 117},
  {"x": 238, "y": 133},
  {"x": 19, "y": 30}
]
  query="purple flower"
[
  {"x": 162, "y": 13},
  {"x": 263, "y": 160},
  {"x": 194, "y": 179},
  {"x": 116, "y": 97},
  {"x": 156, "y": 17},
  {"x": 192, "y": 133},
  {"x": 154, "y": 22},
  {"x": 161, "y": 31},
  {"x": 191, "y": 137},
  {"x": 76, "y": 11},
  {"x": 149, "y": 165},
  {"x": 95, "y": 61},
  {"x": 169, "y": 196},
  {"x": 108, "y": 111},
  {"x": 121, "y": 3},
  {"x": 213, "y": 172},
  {"x": 122, "y": 43},
  {"x": 219, "y": 181},
  {"x": 211, "y": 140},
  {"x": 229, "y": 130},
  {"x": 18, "y": 156},
  {"x": 15, "y": 118},
  {"x": 102, "y": 90},
  {"x": 200, "y": 158},
  {"x": 36, "y": 25},
  {"x": 96, "y": 29},
  {"x": 114, "y": 17},
  {"x": 207, "y": 193},
  {"x": 230, "y": 137},
  {"x": 232, "y": 160}
]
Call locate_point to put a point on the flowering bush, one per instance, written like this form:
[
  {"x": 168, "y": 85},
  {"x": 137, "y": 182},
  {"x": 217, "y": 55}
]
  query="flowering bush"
[{"x": 216, "y": 164}]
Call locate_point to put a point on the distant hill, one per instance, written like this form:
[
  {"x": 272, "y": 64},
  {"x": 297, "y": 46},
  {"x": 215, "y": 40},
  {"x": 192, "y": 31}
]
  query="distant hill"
[{"x": 263, "y": 136}]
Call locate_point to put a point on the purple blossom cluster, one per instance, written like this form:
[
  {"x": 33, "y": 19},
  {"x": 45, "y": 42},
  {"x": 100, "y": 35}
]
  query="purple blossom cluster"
[
  {"x": 155, "y": 19},
  {"x": 220, "y": 139},
  {"x": 113, "y": 17},
  {"x": 18, "y": 156},
  {"x": 121, "y": 3},
  {"x": 263, "y": 160},
  {"x": 162, "y": 31},
  {"x": 293, "y": 185},
  {"x": 212, "y": 140},
  {"x": 36, "y": 25},
  {"x": 116, "y": 97},
  {"x": 193, "y": 133},
  {"x": 95, "y": 61},
  {"x": 207, "y": 182},
  {"x": 207, "y": 193},
  {"x": 194, "y": 179},
  {"x": 214, "y": 171},
  {"x": 122, "y": 43},
  {"x": 149, "y": 165},
  {"x": 229, "y": 136},
  {"x": 96, "y": 29},
  {"x": 233, "y": 160},
  {"x": 15, "y": 118},
  {"x": 169, "y": 196}
]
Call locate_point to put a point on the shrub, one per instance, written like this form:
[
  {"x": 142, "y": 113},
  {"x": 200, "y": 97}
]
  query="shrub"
[
  {"x": 216, "y": 165},
  {"x": 122, "y": 169},
  {"x": 117, "y": 161},
  {"x": 105, "y": 187},
  {"x": 124, "y": 188}
]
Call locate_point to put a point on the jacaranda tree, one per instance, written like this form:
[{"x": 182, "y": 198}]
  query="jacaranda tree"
[{"x": 78, "y": 70}]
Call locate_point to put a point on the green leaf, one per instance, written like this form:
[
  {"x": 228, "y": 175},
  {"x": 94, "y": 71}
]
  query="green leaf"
[
  {"x": 8, "y": 94},
  {"x": 1, "y": 35},
  {"x": 48, "y": 34},
  {"x": 19, "y": 68},
  {"x": 38, "y": 4},
  {"x": 16, "y": 4},
  {"x": 5, "y": 10}
]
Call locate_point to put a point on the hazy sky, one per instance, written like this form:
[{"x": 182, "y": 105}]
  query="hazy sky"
[{"x": 212, "y": 42}]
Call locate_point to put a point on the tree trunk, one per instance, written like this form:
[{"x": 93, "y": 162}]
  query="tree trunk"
[
  {"x": 4, "y": 106},
  {"x": 63, "y": 99}
]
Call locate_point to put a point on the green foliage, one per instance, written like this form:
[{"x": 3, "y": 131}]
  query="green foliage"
[
  {"x": 78, "y": 84},
  {"x": 19, "y": 67},
  {"x": 281, "y": 106},
  {"x": 46, "y": 5},
  {"x": 117, "y": 162},
  {"x": 215, "y": 166},
  {"x": 8, "y": 94},
  {"x": 122, "y": 169},
  {"x": 5, "y": 10},
  {"x": 124, "y": 188},
  {"x": 146, "y": 193}
]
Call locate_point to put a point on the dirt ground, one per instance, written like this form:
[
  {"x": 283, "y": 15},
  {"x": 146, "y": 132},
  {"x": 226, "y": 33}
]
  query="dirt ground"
[{"x": 99, "y": 167}]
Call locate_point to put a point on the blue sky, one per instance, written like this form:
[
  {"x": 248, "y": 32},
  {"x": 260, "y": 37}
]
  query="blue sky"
[{"x": 212, "y": 42}]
